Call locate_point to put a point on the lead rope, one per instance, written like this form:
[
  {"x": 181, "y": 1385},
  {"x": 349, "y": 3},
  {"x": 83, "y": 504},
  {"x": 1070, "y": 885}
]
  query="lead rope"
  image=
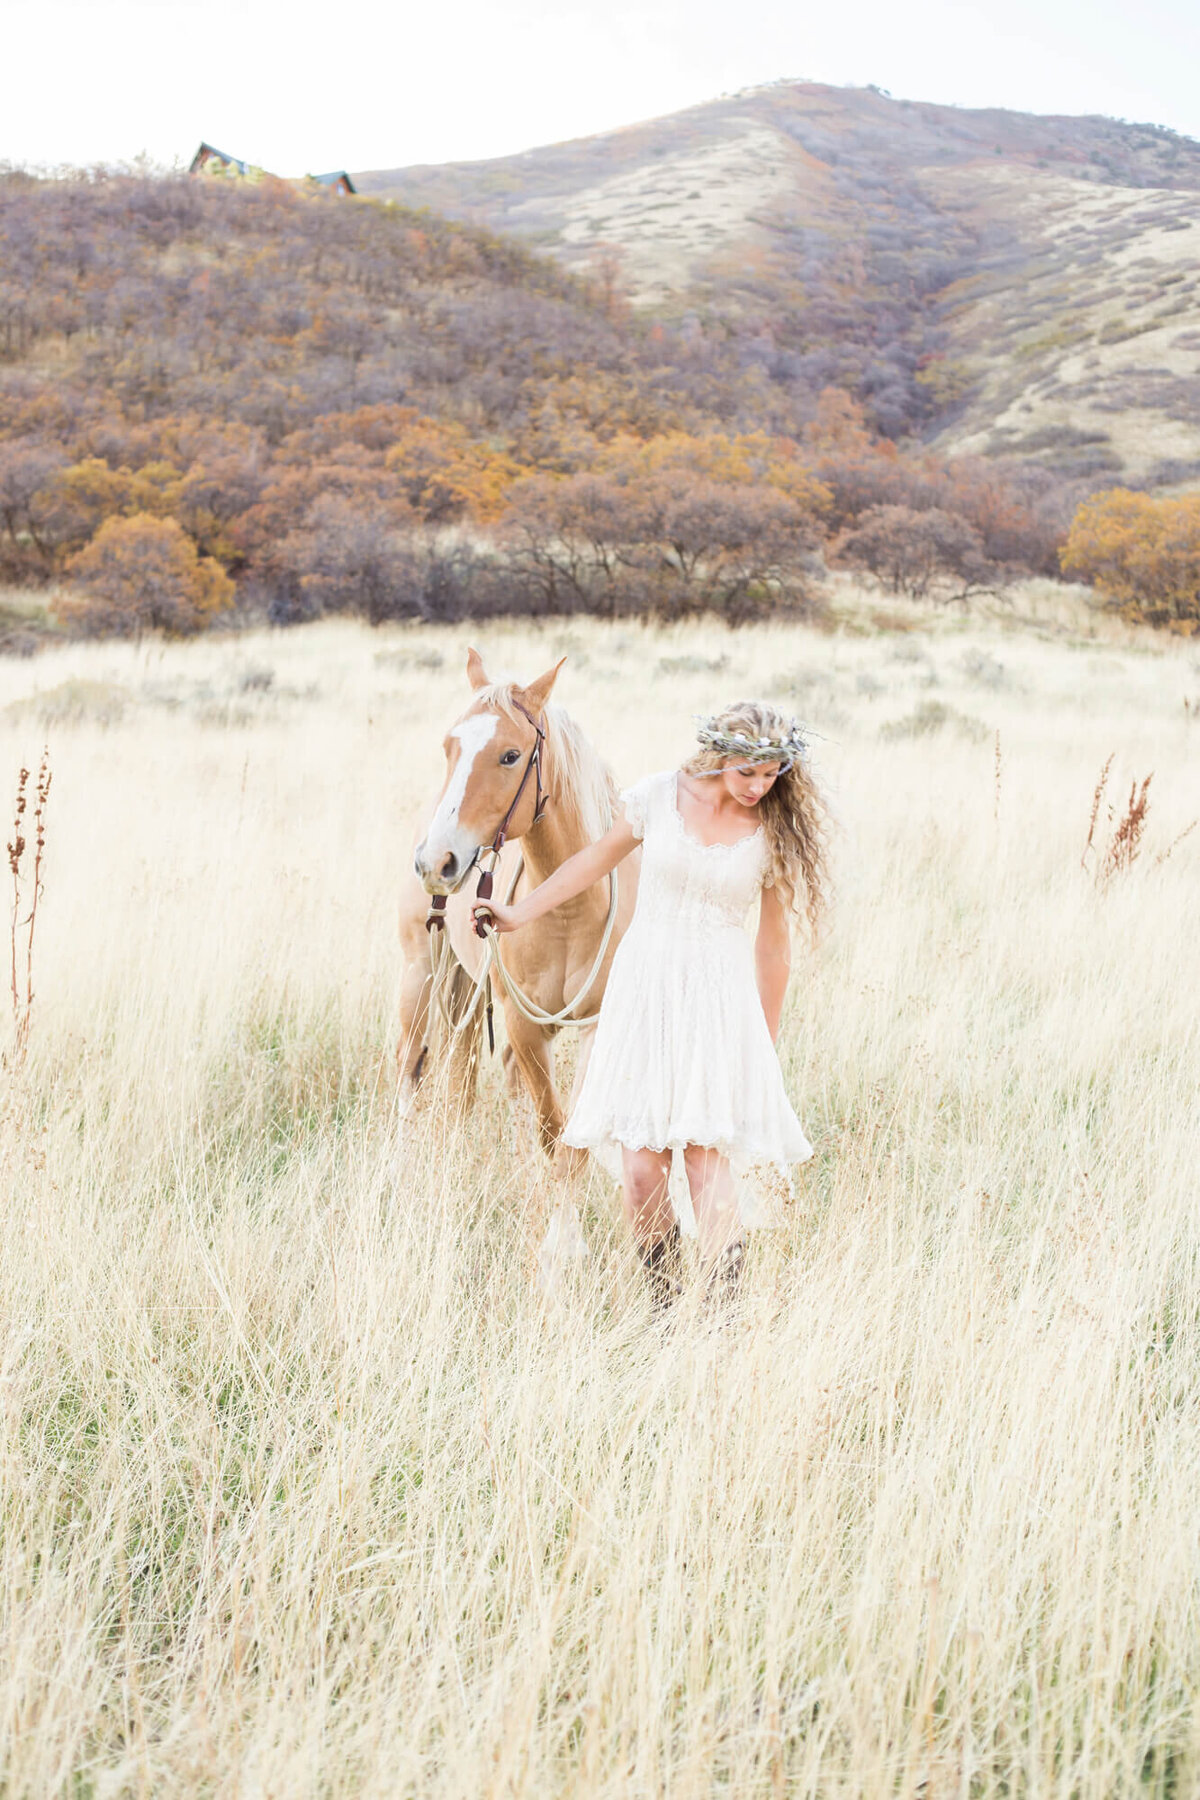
[
  {"x": 440, "y": 951},
  {"x": 529, "y": 1008}
]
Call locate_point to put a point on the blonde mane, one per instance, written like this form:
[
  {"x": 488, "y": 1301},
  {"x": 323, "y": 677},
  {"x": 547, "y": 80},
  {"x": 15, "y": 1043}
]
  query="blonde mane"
[{"x": 572, "y": 769}]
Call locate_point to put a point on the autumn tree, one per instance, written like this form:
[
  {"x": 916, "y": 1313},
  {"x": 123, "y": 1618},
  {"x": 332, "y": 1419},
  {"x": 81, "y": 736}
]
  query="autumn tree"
[
  {"x": 859, "y": 469},
  {"x": 143, "y": 573},
  {"x": 675, "y": 525},
  {"x": 606, "y": 267},
  {"x": 89, "y": 492},
  {"x": 349, "y": 556},
  {"x": 349, "y": 472},
  {"x": 1019, "y": 511},
  {"x": 908, "y": 550},
  {"x": 27, "y": 533},
  {"x": 838, "y": 426},
  {"x": 1141, "y": 554},
  {"x": 574, "y": 538},
  {"x": 733, "y": 548},
  {"x": 217, "y": 489},
  {"x": 445, "y": 476}
]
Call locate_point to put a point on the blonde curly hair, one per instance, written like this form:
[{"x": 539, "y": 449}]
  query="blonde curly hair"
[{"x": 793, "y": 812}]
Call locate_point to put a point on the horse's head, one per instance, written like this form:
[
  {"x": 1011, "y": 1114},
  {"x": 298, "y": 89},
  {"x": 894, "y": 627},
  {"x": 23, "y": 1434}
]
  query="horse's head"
[{"x": 487, "y": 755}]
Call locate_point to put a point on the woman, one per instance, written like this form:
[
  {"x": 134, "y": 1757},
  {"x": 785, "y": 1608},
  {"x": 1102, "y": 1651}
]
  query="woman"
[{"x": 684, "y": 1054}]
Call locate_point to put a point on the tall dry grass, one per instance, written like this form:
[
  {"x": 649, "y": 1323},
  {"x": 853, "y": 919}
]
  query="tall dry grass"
[{"x": 309, "y": 1490}]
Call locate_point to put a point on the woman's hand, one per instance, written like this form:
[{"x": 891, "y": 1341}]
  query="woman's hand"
[
  {"x": 580, "y": 871},
  {"x": 494, "y": 912}
]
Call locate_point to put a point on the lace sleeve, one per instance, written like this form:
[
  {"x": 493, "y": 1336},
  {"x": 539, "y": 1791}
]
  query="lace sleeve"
[{"x": 636, "y": 802}]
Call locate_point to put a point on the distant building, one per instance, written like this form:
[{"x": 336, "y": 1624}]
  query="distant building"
[
  {"x": 338, "y": 182},
  {"x": 208, "y": 160}
]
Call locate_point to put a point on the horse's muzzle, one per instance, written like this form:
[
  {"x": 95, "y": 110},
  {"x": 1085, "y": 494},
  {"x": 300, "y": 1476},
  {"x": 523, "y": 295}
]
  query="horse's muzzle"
[{"x": 449, "y": 877}]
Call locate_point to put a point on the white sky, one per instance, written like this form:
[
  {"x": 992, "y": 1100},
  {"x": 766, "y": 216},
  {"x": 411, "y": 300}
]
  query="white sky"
[{"x": 300, "y": 87}]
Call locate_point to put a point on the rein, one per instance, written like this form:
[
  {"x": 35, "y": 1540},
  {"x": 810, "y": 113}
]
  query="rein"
[{"x": 435, "y": 922}]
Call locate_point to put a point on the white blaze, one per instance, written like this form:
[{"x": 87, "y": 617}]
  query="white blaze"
[{"x": 444, "y": 834}]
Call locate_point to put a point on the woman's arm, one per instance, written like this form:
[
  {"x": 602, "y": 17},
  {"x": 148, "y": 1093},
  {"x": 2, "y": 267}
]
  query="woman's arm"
[
  {"x": 772, "y": 957},
  {"x": 588, "y": 865}
]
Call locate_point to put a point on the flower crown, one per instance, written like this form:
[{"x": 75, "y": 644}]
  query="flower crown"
[{"x": 786, "y": 748}]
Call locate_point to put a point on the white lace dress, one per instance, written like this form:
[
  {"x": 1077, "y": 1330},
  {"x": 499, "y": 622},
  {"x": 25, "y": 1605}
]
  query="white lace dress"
[{"x": 682, "y": 1053}]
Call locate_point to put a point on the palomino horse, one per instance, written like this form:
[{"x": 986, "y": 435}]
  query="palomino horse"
[{"x": 517, "y": 768}]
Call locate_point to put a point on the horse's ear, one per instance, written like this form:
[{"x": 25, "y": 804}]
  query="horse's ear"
[
  {"x": 538, "y": 692},
  {"x": 477, "y": 675}
]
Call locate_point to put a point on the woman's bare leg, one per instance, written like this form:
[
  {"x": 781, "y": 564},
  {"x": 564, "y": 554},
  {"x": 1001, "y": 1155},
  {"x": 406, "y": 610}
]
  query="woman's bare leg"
[
  {"x": 655, "y": 1229},
  {"x": 645, "y": 1174},
  {"x": 714, "y": 1197}
]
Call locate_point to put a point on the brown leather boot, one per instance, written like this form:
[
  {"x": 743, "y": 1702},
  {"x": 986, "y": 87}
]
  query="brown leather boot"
[
  {"x": 663, "y": 1264},
  {"x": 726, "y": 1273}
]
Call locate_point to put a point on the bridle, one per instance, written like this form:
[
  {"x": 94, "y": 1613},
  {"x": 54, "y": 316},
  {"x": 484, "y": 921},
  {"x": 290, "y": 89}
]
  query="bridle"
[{"x": 436, "y": 919}]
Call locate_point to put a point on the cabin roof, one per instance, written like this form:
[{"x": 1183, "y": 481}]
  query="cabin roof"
[
  {"x": 207, "y": 150},
  {"x": 333, "y": 177}
]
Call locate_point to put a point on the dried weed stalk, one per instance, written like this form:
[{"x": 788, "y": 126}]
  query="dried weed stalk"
[
  {"x": 26, "y": 892},
  {"x": 1186, "y": 832},
  {"x": 1125, "y": 830},
  {"x": 1097, "y": 797},
  {"x": 998, "y": 767},
  {"x": 1126, "y": 841}
]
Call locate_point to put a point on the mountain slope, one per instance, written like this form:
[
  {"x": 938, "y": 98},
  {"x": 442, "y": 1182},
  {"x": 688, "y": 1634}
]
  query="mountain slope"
[
  {"x": 210, "y": 390},
  {"x": 1088, "y": 350},
  {"x": 990, "y": 280}
]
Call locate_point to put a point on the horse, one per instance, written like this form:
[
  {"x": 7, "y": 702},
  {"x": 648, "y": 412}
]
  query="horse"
[{"x": 521, "y": 780}]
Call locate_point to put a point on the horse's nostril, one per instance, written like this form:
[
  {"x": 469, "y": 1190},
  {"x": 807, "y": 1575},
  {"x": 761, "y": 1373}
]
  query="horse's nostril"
[{"x": 450, "y": 867}]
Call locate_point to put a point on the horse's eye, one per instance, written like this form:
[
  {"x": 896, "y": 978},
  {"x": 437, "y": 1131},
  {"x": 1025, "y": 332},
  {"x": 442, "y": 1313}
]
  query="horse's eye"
[{"x": 509, "y": 758}]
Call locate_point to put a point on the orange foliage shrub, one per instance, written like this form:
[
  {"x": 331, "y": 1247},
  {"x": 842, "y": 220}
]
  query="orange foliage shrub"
[
  {"x": 89, "y": 492},
  {"x": 1142, "y": 554},
  {"x": 141, "y": 574},
  {"x": 446, "y": 477},
  {"x": 742, "y": 460}
]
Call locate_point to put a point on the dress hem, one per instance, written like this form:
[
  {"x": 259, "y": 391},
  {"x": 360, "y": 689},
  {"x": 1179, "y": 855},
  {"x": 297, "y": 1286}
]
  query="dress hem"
[{"x": 738, "y": 1152}]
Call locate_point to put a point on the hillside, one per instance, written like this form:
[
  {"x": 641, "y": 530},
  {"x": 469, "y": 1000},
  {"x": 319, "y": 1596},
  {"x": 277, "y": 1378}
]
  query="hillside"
[
  {"x": 133, "y": 300},
  {"x": 299, "y": 384},
  {"x": 994, "y": 281},
  {"x": 215, "y": 395}
]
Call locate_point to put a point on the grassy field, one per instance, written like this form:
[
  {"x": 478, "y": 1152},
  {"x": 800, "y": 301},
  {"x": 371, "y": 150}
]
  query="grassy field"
[{"x": 309, "y": 1489}]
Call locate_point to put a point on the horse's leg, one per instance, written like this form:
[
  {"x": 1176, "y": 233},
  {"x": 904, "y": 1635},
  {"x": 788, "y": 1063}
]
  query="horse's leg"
[
  {"x": 425, "y": 1039},
  {"x": 563, "y": 1244},
  {"x": 462, "y": 1065},
  {"x": 412, "y": 1055},
  {"x": 569, "y": 1162},
  {"x": 510, "y": 1071},
  {"x": 533, "y": 1056},
  {"x": 533, "y": 1053}
]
